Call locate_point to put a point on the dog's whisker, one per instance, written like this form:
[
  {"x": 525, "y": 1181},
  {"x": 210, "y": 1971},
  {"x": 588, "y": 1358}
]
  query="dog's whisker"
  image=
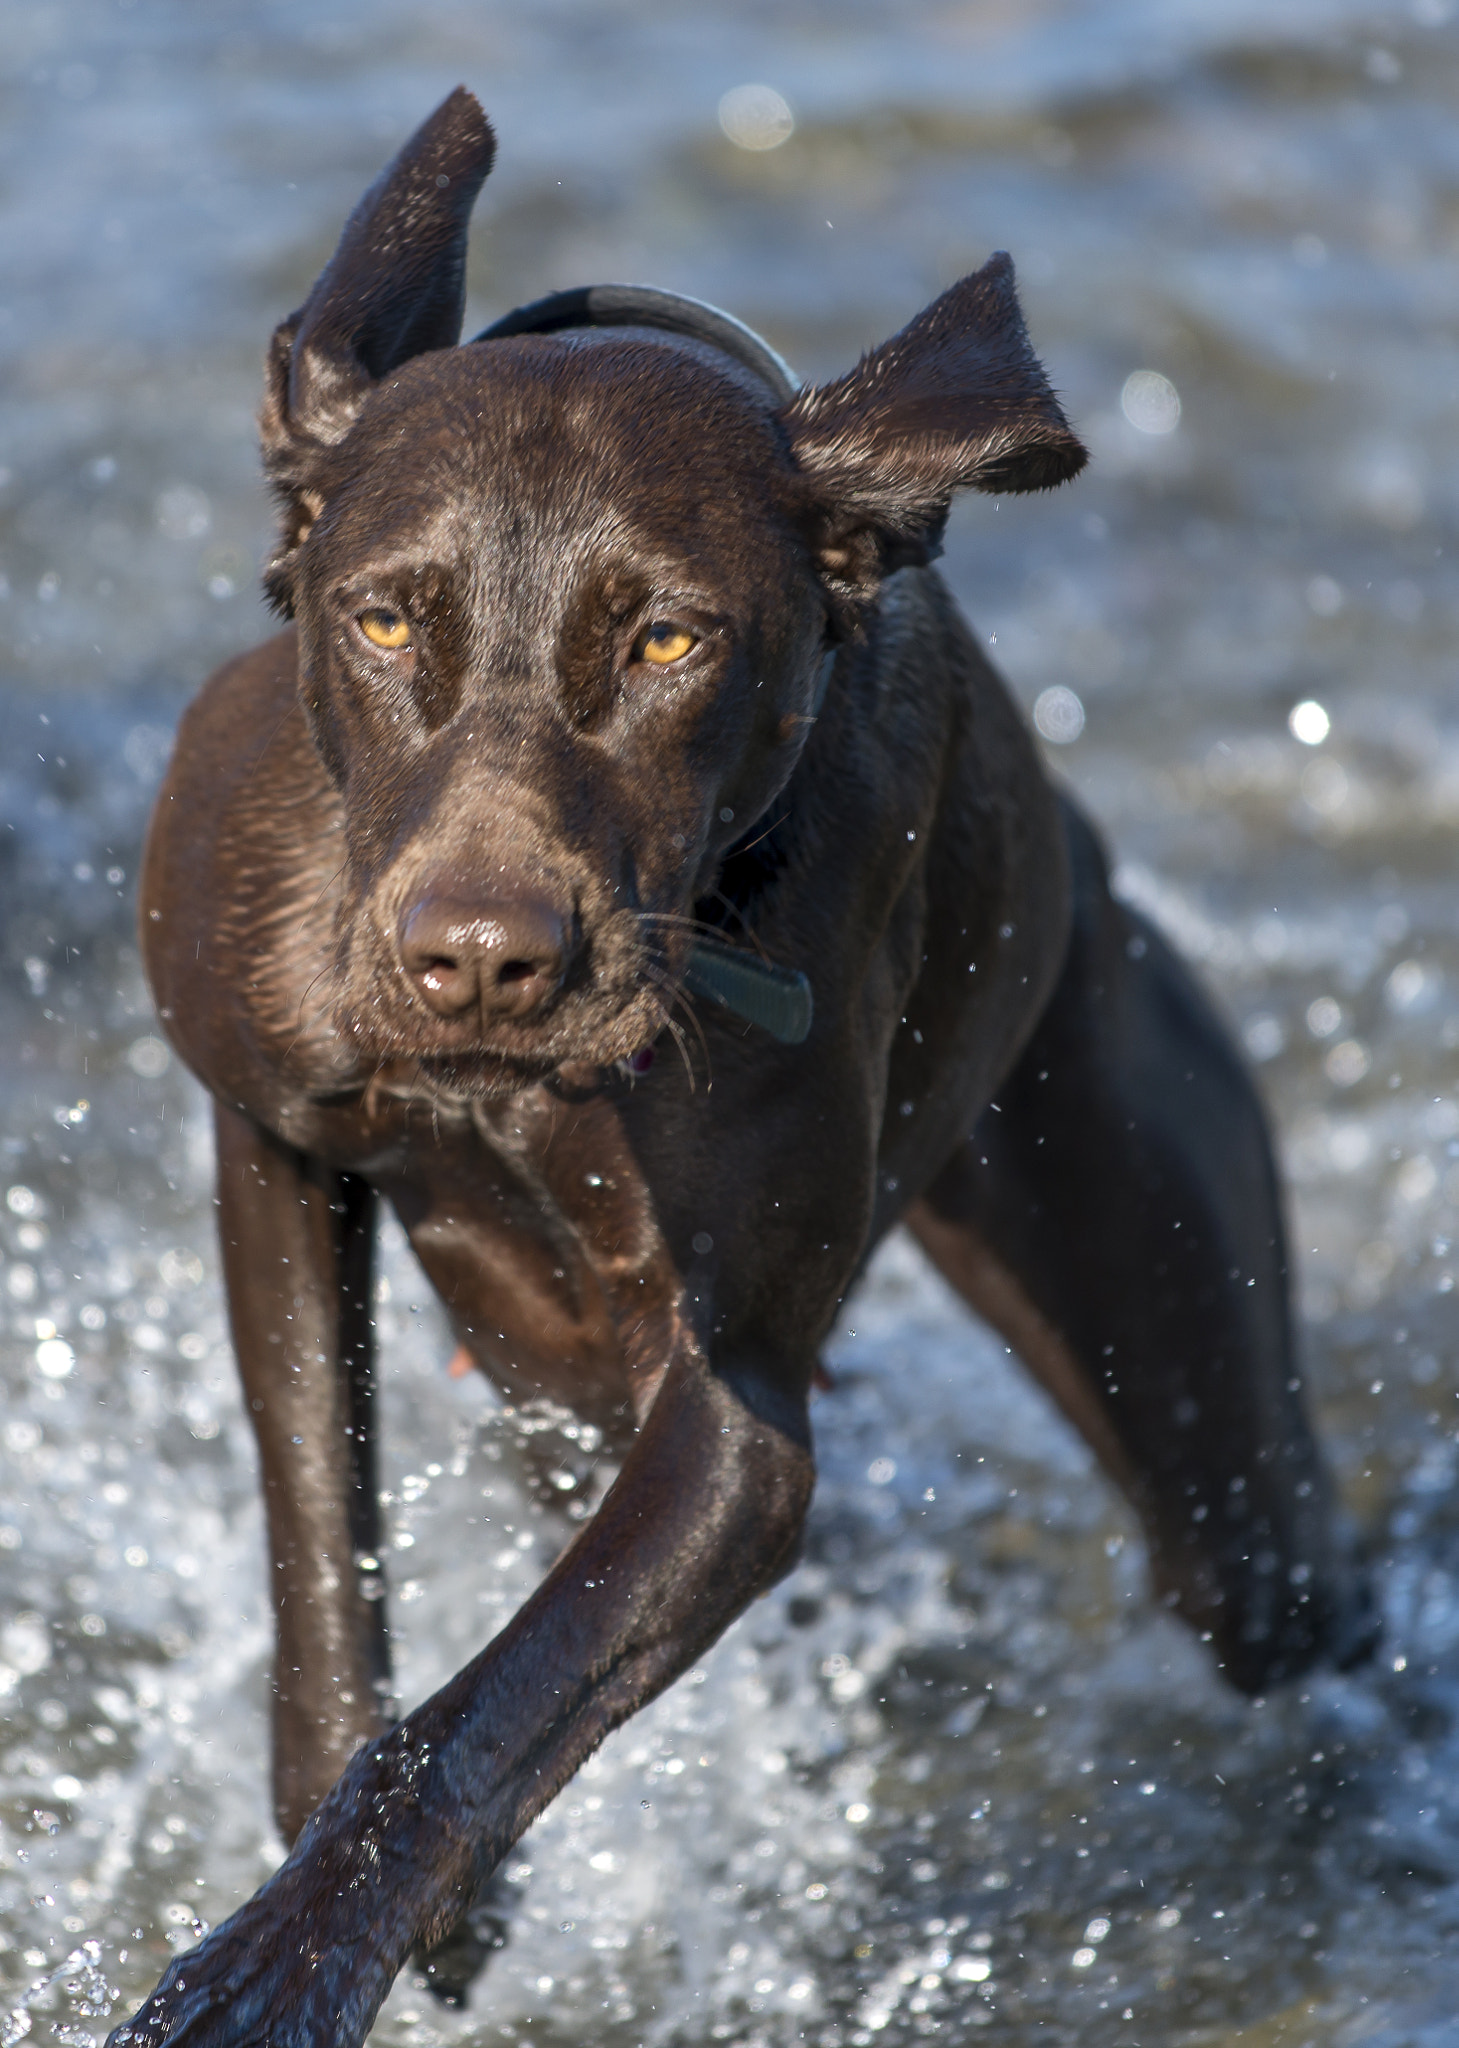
[
  {"x": 679, "y": 922},
  {"x": 679, "y": 998},
  {"x": 765, "y": 834},
  {"x": 702, "y": 929},
  {"x": 737, "y": 921},
  {"x": 301, "y": 1023},
  {"x": 684, "y": 1001},
  {"x": 304, "y": 920},
  {"x": 678, "y": 1037},
  {"x": 309, "y": 989}
]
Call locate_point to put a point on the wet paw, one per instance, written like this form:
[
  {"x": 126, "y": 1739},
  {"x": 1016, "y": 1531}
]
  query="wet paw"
[
  {"x": 261, "y": 1980},
  {"x": 1273, "y": 1640}
]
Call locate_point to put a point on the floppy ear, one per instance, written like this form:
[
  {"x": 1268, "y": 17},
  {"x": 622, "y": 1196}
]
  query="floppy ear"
[
  {"x": 395, "y": 287},
  {"x": 957, "y": 400}
]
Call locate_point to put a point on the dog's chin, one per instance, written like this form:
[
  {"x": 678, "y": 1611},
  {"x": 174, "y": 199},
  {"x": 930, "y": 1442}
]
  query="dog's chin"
[
  {"x": 485, "y": 1073},
  {"x": 482, "y": 1076}
]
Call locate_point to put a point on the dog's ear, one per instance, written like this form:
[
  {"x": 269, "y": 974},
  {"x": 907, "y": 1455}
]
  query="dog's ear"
[
  {"x": 957, "y": 400},
  {"x": 394, "y": 288}
]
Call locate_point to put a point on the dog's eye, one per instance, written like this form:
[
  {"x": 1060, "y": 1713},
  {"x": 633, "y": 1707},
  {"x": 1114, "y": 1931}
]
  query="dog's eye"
[
  {"x": 384, "y": 628},
  {"x": 660, "y": 643}
]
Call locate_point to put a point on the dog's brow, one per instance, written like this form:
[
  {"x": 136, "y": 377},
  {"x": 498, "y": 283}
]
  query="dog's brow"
[{"x": 397, "y": 571}]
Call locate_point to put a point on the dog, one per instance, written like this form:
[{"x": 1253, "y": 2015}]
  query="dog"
[{"x": 620, "y": 711}]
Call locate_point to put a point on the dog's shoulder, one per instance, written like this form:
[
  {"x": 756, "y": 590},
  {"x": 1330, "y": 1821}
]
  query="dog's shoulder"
[
  {"x": 934, "y": 726},
  {"x": 973, "y": 941}
]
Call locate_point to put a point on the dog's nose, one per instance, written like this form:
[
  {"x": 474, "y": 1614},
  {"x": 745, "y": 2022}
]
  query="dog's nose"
[{"x": 505, "y": 957}]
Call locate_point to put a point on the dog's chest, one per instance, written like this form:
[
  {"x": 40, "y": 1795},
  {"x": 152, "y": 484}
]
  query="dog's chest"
[{"x": 539, "y": 1230}]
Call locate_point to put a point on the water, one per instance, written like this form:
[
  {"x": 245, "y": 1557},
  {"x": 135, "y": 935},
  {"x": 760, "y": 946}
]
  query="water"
[{"x": 956, "y": 1774}]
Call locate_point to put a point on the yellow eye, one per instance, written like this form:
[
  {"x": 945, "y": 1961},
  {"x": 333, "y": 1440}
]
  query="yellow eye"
[
  {"x": 385, "y": 629},
  {"x": 662, "y": 644}
]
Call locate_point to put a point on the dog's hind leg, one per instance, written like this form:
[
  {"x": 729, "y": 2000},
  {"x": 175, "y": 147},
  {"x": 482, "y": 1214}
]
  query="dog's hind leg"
[
  {"x": 297, "y": 1250},
  {"x": 1116, "y": 1216}
]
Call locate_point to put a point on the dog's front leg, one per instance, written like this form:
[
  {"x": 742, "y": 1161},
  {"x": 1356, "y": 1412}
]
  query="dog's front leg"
[
  {"x": 705, "y": 1514},
  {"x": 297, "y": 1241}
]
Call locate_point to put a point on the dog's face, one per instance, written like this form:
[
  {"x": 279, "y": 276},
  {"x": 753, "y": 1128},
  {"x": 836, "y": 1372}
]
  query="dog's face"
[
  {"x": 560, "y": 632},
  {"x": 563, "y": 604}
]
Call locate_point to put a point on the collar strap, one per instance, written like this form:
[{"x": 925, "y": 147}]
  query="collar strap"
[
  {"x": 778, "y": 999},
  {"x": 643, "y": 305}
]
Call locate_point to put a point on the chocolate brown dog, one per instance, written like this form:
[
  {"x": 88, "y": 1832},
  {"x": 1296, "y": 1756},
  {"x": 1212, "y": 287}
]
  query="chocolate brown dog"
[{"x": 619, "y": 704}]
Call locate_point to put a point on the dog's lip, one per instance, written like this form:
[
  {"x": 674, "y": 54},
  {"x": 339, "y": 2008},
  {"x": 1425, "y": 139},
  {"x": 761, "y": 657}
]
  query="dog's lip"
[
  {"x": 483, "y": 1060},
  {"x": 525, "y": 1063}
]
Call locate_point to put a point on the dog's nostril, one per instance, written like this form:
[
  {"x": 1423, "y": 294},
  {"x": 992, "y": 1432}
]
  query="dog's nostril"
[{"x": 505, "y": 957}]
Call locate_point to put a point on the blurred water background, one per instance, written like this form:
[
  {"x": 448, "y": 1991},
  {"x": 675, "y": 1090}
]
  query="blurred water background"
[{"x": 956, "y": 1775}]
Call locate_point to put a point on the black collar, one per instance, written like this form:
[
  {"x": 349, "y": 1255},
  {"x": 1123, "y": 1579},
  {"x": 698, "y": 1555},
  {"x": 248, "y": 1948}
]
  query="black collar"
[{"x": 642, "y": 305}]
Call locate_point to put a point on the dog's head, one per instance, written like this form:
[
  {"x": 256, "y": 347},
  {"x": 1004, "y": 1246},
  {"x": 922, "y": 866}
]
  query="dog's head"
[{"x": 563, "y": 603}]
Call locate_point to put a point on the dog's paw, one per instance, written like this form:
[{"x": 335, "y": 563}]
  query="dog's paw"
[
  {"x": 1278, "y": 1632},
  {"x": 259, "y": 1981}
]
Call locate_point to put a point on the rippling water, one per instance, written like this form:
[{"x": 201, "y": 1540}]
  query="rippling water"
[{"x": 956, "y": 1774}]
